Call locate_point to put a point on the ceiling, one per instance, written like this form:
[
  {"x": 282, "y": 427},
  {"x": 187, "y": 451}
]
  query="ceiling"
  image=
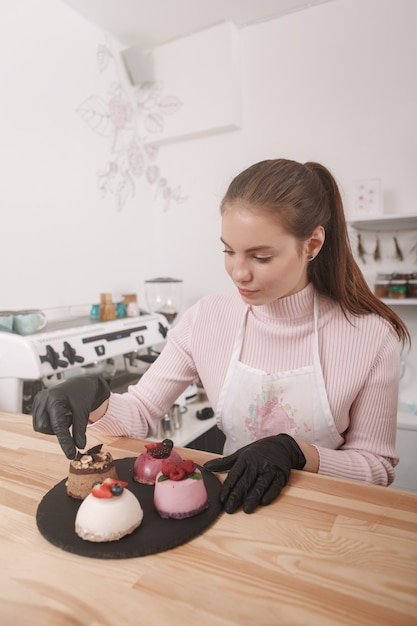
[{"x": 153, "y": 22}]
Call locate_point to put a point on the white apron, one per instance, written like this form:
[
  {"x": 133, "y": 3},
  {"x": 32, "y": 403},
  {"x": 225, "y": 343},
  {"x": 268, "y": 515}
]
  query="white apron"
[{"x": 254, "y": 404}]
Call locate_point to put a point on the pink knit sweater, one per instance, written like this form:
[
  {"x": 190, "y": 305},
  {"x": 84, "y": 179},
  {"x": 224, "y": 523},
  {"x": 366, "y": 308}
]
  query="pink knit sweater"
[{"x": 360, "y": 358}]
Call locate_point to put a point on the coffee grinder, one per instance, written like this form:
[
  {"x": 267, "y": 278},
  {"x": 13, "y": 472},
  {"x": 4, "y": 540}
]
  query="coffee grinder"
[{"x": 164, "y": 296}]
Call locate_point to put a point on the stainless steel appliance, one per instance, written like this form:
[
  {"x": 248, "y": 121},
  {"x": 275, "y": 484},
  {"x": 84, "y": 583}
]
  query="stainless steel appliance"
[{"x": 75, "y": 345}]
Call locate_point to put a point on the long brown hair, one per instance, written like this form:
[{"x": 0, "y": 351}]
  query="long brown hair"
[{"x": 303, "y": 197}]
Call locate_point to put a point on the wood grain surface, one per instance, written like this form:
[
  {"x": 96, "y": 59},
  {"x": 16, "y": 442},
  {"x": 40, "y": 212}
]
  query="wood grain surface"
[{"x": 326, "y": 552}]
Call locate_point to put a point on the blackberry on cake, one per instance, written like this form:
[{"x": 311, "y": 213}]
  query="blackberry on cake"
[{"x": 150, "y": 462}]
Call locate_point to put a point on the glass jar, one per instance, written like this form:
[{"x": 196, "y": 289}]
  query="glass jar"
[
  {"x": 397, "y": 290},
  {"x": 412, "y": 288},
  {"x": 381, "y": 288}
]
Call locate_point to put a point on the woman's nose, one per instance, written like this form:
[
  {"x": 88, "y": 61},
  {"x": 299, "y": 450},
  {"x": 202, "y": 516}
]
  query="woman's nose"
[{"x": 240, "y": 271}]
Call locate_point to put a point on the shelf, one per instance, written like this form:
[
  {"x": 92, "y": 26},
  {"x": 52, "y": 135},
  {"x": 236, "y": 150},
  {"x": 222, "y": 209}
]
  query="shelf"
[
  {"x": 400, "y": 301},
  {"x": 384, "y": 222}
]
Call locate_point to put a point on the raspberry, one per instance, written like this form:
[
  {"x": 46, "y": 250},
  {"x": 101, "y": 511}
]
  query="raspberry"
[
  {"x": 188, "y": 466},
  {"x": 168, "y": 468},
  {"x": 177, "y": 473}
]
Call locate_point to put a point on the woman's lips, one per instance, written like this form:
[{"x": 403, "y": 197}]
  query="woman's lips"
[{"x": 246, "y": 293}]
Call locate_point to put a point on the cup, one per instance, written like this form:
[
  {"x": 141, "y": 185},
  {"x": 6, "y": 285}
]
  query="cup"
[
  {"x": 28, "y": 322},
  {"x": 132, "y": 309},
  {"x": 175, "y": 414},
  {"x": 165, "y": 427},
  {"x": 6, "y": 320},
  {"x": 121, "y": 309},
  {"x": 95, "y": 312}
]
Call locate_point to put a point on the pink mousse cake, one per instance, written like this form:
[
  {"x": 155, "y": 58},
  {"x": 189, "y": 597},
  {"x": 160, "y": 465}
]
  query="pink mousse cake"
[
  {"x": 180, "y": 491},
  {"x": 150, "y": 463}
]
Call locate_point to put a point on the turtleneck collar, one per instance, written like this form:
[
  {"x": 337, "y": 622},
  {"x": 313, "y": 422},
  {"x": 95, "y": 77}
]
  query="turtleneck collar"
[{"x": 298, "y": 305}]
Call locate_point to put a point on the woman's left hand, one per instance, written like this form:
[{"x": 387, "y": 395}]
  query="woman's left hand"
[{"x": 258, "y": 472}]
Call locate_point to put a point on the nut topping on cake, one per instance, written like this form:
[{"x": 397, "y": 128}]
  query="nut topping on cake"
[
  {"x": 87, "y": 468},
  {"x": 93, "y": 457}
]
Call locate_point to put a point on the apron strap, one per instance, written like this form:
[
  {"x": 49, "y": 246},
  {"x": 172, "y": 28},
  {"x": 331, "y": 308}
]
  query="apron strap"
[
  {"x": 237, "y": 348},
  {"x": 316, "y": 354}
]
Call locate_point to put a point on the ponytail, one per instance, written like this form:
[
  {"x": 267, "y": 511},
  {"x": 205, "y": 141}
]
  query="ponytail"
[{"x": 336, "y": 273}]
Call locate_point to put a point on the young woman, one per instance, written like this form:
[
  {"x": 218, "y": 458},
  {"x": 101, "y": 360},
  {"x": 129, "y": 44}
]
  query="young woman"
[{"x": 300, "y": 363}]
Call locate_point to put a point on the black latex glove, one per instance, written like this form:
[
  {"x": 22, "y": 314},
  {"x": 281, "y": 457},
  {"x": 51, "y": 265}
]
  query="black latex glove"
[
  {"x": 258, "y": 472},
  {"x": 67, "y": 405}
]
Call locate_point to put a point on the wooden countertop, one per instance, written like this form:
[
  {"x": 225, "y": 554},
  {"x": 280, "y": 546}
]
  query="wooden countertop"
[{"x": 326, "y": 552}]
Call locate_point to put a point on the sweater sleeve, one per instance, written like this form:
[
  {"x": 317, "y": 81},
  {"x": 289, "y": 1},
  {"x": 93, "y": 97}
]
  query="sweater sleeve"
[
  {"x": 368, "y": 453},
  {"x": 137, "y": 412}
]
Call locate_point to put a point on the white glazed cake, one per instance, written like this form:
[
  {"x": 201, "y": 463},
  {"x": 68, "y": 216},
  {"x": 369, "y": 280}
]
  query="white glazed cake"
[
  {"x": 180, "y": 491},
  {"x": 108, "y": 513}
]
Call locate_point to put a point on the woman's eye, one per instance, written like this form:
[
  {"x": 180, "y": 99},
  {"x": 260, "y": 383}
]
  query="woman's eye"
[
  {"x": 230, "y": 252},
  {"x": 262, "y": 259}
]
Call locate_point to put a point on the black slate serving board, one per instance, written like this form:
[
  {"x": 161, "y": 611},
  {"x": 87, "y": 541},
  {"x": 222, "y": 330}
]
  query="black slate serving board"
[{"x": 56, "y": 513}]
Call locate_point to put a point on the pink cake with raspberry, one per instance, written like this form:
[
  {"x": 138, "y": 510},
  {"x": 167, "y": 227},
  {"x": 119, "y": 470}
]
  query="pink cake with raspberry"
[
  {"x": 108, "y": 513},
  {"x": 180, "y": 491},
  {"x": 148, "y": 464}
]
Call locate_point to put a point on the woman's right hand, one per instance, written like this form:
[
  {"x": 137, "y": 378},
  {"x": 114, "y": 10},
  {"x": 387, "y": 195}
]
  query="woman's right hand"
[{"x": 64, "y": 410}]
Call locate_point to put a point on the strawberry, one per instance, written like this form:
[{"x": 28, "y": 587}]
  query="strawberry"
[
  {"x": 112, "y": 481},
  {"x": 151, "y": 446},
  {"x": 107, "y": 488},
  {"x": 100, "y": 491}
]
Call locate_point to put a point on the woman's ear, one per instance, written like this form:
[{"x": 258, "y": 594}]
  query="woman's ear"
[{"x": 315, "y": 243}]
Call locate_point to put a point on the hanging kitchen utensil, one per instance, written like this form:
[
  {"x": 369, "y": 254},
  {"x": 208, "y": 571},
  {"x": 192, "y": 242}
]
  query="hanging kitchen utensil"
[
  {"x": 377, "y": 251},
  {"x": 398, "y": 252},
  {"x": 361, "y": 249}
]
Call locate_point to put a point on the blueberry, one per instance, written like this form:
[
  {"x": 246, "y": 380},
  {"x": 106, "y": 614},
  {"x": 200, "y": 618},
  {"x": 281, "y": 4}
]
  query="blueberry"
[
  {"x": 168, "y": 443},
  {"x": 116, "y": 489}
]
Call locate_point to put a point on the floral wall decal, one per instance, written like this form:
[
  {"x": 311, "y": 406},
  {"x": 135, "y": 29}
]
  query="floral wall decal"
[{"x": 128, "y": 118}]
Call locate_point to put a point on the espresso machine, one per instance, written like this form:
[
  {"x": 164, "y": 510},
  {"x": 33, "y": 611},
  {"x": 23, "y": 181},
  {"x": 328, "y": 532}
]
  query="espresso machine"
[{"x": 71, "y": 344}]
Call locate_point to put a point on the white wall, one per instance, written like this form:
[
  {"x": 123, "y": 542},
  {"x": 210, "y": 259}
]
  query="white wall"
[
  {"x": 334, "y": 83},
  {"x": 61, "y": 242}
]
